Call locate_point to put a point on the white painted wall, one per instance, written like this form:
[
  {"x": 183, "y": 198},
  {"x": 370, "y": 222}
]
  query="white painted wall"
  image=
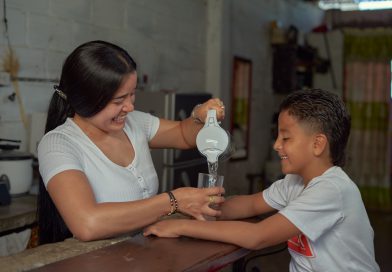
[
  {"x": 250, "y": 21},
  {"x": 166, "y": 38},
  {"x": 330, "y": 47},
  {"x": 171, "y": 42}
]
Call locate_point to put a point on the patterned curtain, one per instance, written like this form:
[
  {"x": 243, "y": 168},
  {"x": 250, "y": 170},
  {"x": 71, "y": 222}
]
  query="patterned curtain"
[{"x": 367, "y": 92}]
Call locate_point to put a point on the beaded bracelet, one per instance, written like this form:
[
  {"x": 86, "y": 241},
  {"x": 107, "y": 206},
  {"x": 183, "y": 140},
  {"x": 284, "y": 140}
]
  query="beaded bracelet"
[{"x": 173, "y": 203}]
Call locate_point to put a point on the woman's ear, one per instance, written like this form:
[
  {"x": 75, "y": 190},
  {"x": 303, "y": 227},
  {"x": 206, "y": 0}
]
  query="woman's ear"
[{"x": 320, "y": 144}]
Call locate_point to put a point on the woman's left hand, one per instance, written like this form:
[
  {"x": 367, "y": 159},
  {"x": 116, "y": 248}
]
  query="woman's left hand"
[
  {"x": 200, "y": 111},
  {"x": 196, "y": 201}
]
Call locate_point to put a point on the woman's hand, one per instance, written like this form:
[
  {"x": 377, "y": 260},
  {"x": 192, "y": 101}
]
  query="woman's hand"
[
  {"x": 196, "y": 201},
  {"x": 199, "y": 113}
]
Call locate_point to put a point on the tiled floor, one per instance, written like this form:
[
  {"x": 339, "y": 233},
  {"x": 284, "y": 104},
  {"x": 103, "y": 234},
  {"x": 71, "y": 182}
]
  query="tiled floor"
[{"x": 382, "y": 225}]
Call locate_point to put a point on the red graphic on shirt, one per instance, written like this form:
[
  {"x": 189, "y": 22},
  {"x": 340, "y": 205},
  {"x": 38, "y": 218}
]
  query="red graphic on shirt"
[{"x": 301, "y": 245}]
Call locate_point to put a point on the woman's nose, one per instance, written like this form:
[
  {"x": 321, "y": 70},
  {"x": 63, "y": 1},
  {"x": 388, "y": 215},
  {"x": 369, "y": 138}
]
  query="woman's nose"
[{"x": 128, "y": 106}]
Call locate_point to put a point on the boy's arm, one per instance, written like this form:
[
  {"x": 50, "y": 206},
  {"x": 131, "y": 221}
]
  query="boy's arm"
[
  {"x": 244, "y": 206},
  {"x": 271, "y": 231}
]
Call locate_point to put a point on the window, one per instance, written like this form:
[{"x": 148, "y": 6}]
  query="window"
[{"x": 346, "y": 5}]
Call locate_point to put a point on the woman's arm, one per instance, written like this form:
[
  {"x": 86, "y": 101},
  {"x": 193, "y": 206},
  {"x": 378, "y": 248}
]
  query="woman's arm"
[
  {"x": 271, "y": 231},
  {"x": 89, "y": 220},
  {"x": 182, "y": 134}
]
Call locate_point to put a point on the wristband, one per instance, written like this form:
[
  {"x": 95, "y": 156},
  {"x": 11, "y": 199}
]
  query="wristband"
[{"x": 173, "y": 203}]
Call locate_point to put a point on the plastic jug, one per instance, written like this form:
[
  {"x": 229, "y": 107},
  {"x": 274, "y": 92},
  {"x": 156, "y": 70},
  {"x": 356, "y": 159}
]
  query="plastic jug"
[{"x": 212, "y": 140}]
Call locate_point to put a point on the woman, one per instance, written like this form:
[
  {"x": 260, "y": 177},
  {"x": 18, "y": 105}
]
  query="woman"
[{"x": 98, "y": 179}]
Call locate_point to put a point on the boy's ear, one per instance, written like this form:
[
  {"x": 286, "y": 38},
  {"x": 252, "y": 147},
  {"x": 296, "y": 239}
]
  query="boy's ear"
[{"x": 320, "y": 144}]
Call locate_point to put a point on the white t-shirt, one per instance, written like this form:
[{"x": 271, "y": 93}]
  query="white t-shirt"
[
  {"x": 336, "y": 232},
  {"x": 67, "y": 147}
]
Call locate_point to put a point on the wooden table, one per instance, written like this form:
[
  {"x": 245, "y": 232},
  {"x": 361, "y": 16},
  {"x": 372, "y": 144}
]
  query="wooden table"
[{"x": 145, "y": 254}]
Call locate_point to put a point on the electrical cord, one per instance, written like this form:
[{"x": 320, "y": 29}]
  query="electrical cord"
[{"x": 7, "y": 36}]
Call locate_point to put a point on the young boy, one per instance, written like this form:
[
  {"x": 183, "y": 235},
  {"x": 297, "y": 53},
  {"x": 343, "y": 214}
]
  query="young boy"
[{"x": 320, "y": 210}]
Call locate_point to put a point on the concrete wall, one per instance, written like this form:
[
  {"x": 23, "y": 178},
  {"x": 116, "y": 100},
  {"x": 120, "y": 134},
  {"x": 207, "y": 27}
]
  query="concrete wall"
[{"x": 178, "y": 44}]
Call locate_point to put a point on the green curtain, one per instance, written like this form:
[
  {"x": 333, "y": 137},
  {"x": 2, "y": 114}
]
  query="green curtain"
[
  {"x": 367, "y": 92},
  {"x": 368, "y": 45}
]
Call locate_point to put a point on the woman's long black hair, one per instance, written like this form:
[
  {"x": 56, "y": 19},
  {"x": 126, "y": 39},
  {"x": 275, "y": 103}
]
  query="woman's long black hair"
[{"x": 90, "y": 76}]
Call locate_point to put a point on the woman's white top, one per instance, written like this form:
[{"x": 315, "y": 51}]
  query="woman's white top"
[{"x": 68, "y": 147}]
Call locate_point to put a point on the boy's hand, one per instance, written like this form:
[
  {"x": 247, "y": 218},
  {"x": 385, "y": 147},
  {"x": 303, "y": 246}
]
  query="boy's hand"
[{"x": 165, "y": 228}]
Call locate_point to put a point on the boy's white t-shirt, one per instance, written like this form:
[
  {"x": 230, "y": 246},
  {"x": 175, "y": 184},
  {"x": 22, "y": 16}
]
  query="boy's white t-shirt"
[
  {"x": 336, "y": 232},
  {"x": 67, "y": 147}
]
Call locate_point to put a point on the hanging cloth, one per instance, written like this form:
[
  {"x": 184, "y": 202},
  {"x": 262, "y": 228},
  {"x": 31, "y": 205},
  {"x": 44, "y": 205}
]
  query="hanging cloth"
[{"x": 367, "y": 92}]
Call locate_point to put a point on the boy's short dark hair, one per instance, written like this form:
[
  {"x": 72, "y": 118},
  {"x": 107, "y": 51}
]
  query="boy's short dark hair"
[{"x": 323, "y": 112}]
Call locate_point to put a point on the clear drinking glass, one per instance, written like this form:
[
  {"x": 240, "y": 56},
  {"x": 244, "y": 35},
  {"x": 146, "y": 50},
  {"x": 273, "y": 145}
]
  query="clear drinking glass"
[{"x": 206, "y": 181}]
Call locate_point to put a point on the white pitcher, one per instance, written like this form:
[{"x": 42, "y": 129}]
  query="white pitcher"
[{"x": 212, "y": 140}]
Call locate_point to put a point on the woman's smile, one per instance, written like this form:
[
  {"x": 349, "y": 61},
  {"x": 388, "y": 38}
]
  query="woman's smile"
[{"x": 119, "y": 119}]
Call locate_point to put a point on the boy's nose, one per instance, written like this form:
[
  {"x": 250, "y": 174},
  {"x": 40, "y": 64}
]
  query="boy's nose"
[{"x": 276, "y": 145}]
